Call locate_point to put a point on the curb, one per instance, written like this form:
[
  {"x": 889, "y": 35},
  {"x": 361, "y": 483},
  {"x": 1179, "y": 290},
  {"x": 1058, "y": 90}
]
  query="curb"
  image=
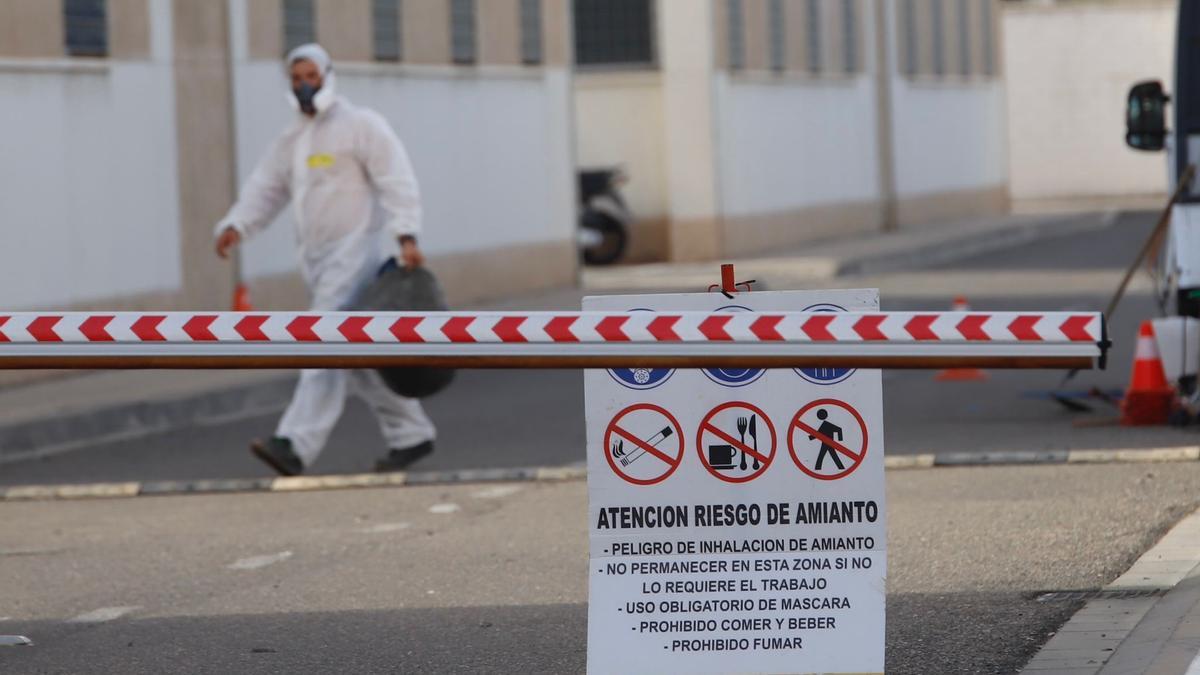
[
  {"x": 543, "y": 474},
  {"x": 1144, "y": 621}
]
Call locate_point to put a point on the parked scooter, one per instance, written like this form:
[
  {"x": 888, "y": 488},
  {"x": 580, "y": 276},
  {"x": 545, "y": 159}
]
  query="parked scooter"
[{"x": 604, "y": 218}]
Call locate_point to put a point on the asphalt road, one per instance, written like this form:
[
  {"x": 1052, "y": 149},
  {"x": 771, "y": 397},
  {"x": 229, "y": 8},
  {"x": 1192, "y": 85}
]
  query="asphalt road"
[
  {"x": 494, "y": 578},
  {"x": 525, "y": 418}
]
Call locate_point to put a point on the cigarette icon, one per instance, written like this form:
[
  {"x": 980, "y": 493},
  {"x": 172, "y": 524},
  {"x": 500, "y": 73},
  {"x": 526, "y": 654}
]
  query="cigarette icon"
[{"x": 652, "y": 442}]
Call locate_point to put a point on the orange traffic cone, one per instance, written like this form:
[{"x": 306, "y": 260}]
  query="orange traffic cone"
[
  {"x": 241, "y": 299},
  {"x": 960, "y": 374},
  {"x": 1149, "y": 398}
]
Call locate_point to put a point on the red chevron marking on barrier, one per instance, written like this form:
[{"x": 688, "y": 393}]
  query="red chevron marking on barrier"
[
  {"x": 663, "y": 329},
  {"x": 197, "y": 328},
  {"x": 921, "y": 327},
  {"x": 4, "y": 320},
  {"x": 250, "y": 328},
  {"x": 1076, "y": 329},
  {"x": 559, "y": 329},
  {"x": 817, "y": 328},
  {"x": 405, "y": 329},
  {"x": 713, "y": 328},
  {"x": 508, "y": 329},
  {"x": 146, "y": 328},
  {"x": 766, "y": 328},
  {"x": 301, "y": 328},
  {"x": 95, "y": 329},
  {"x": 42, "y": 329},
  {"x": 868, "y": 327},
  {"x": 971, "y": 327},
  {"x": 354, "y": 329},
  {"x": 456, "y": 329},
  {"x": 611, "y": 328},
  {"x": 1024, "y": 328}
]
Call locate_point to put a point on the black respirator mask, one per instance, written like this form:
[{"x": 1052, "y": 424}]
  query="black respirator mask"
[{"x": 305, "y": 93}]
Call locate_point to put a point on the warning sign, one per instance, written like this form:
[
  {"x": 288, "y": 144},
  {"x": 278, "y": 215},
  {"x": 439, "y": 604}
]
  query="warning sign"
[
  {"x": 828, "y": 439},
  {"x": 736, "y": 442},
  {"x": 645, "y": 444},
  {"x": 709, "y": 551}
]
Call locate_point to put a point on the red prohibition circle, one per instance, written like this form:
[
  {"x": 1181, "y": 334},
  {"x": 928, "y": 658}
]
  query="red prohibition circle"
[
  {"x": 794, "y": 426},
  {"x": 705, "y": 427},
  {"x": 608, "y": 440}
]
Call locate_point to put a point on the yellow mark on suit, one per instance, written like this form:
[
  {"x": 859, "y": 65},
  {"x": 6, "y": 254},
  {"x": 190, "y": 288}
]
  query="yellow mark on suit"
[{"x": 321, "y": 161}]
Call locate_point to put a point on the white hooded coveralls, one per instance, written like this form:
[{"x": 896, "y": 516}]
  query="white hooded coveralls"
[{"x": 340, "y": 170}]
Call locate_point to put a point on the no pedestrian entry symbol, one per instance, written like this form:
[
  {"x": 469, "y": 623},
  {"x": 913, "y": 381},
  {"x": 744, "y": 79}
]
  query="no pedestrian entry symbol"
[
  {"x": 736, "y": 442},
  {"x": 643, "y": 444},
  {"x": 828, "y": 439}
]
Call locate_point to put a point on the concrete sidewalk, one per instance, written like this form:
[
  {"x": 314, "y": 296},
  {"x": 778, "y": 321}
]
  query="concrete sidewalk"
[{"x": 64, "y": 413}]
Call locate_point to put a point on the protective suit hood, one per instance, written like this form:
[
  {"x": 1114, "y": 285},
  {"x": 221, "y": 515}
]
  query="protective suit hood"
[{"x": 323, "y": 98}]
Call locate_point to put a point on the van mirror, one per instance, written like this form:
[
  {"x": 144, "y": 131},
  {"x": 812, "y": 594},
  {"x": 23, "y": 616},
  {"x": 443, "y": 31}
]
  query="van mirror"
[{"x": 1146, "y": 117}]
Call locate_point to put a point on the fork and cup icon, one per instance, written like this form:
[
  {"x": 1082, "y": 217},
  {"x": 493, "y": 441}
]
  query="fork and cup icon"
[{"x": 721, "y": 456}]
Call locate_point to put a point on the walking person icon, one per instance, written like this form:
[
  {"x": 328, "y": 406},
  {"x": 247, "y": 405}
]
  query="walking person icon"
[{"x": 831, "y": 431}]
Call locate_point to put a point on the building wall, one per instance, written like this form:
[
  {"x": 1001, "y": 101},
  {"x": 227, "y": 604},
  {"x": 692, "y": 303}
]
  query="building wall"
[
  {"x": 91, "y": 209},
  {"x": 1066, "y": 106}
]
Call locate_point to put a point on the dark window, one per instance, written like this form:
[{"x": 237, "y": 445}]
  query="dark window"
[
  {"x": 531, "y": 31},
  {"x": 964, "y": 37},
  {"x": 299, "y": 24},
  {"x": 462, "y": 31},
  {"x": 85, "y": 24},
  {"x": 614, "y": 32},
  {"x": 911, "y": 61},
  {"x": 939, "y": 37},
  {"x": 385, "y": 22},
  {"x": 989, "y": 40},
  {"x": 814, "y": 36},
  {"x": 850, "y": 34},
  {"x": 776, "y": 26},
  {"x": 737, "y": 34}
]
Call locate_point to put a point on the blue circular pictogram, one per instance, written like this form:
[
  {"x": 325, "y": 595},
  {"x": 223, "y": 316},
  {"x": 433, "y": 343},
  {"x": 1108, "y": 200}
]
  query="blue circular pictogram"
[
  {"x": 734, "y": 377},
  {"x": 825, "y": 376},
  {"x": 641, "y": 378}
]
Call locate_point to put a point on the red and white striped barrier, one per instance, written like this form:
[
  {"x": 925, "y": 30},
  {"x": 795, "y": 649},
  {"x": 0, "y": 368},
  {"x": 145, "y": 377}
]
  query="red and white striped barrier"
[{"x": 551, "y": 339}]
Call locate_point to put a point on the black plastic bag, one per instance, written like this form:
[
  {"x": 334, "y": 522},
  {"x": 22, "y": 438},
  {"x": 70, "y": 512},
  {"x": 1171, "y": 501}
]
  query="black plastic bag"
[{"x": 399, "y": 289}]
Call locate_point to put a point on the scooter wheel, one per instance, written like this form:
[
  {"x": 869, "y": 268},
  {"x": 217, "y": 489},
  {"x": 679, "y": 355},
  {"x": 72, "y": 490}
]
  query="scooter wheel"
[{"x": 612, "y": 239}]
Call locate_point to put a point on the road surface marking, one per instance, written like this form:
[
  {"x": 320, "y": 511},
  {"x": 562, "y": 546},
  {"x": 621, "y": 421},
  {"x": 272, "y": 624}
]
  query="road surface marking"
[
  {"x": 384, "y": 527},
  {"x": 259, "y": 561},
  {"x": 103, "y": 614},
  {"x": 497, "y": 492},
  {"x": 442, "y": 509}
]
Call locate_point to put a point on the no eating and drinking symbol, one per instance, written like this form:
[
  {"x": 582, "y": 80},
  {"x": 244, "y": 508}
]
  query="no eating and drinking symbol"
[
  {"x": 643, "y": 444},
  {"x": 828, "y": 439},
  {"x": 736, "y": 442}
]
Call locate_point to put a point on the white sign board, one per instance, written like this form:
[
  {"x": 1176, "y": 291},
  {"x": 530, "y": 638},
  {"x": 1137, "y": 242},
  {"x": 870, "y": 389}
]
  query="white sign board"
[{"x": 736, "y": 517}]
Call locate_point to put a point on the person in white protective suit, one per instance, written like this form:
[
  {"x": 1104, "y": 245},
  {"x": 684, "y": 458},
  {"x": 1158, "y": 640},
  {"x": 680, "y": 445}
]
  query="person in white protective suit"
[{"x": 350, "y": 183}]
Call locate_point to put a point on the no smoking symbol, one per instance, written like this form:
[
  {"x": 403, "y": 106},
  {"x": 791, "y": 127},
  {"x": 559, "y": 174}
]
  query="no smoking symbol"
[
  {"x": 736, "y": 442},
  {"x": 643, "y": 444},
  {"x": 828, "y": 439}
]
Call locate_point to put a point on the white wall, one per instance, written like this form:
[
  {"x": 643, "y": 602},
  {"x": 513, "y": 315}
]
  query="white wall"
[
  {"x": 949, "y": 137},
  {"x": 87, "y": 182},
  {"x": 619, "y": 121},
  {"x": 789, "y": 143},
  {"x": 1066, "y": 105}
]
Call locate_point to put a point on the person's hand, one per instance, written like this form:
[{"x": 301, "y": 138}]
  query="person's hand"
[
  {"x": 410, "y": 253},
  {"x": 228, "y": 239}
]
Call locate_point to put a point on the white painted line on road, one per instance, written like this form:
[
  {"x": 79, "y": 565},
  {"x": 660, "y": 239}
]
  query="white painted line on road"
[
  {"x": 384, "y": 528},
  {"x": 442, "y": 509},
  {"x": 15, "y": 641},
  {"x": 497, "y": 492},
  {"x": 909, "y": 461},
  {"x": 259, "y": 561},
  {"x": 1134, "y": 455},
  {"x": 104, "y": 614}
]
